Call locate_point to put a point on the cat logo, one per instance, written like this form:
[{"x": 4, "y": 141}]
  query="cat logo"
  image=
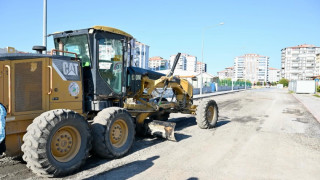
[{"x": 68, "y": 70}]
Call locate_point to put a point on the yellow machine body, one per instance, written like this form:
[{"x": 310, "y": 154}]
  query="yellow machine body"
[
  {"x": 32, "y": 84},
  {"x": 30, "y": 87}
]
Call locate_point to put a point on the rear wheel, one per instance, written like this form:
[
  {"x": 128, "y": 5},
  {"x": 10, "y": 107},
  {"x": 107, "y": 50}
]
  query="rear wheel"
[
  {"x": 57, "y": 143},
  {"x": 113, "y": 132},
  {"x": 207, "y": 114}
]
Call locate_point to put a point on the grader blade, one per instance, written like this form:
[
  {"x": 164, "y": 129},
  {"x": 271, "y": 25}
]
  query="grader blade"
[{"x": 162, "y": 129}]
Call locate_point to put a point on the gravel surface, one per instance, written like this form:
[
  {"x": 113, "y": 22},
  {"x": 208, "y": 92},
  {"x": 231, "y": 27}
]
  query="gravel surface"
[{"x": 261, "y": 134}]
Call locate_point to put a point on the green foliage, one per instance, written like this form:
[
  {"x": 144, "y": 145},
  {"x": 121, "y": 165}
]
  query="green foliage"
[
  {"x": 239, "y": 82},
  {"x": 284, "y": 81},
  {"x": 318, "y": 89},
  {"x": 316, "y": 95}
]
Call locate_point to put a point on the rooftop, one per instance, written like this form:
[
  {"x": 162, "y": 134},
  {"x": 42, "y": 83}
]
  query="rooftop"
[
  {"x": 251, "y": 55},
  {"x": 271, "y": 68},
  {"x": 301, "y": 46},
  {"x": 154, "y": 58},
  {"x": 184, "y": 54},
  {"x": 140, "y": 43}
]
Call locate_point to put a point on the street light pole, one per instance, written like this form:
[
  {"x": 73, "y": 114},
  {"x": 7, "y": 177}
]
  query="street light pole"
[
  {"x": 201, "y": 65},
  {"x": 45, "y": 24}
]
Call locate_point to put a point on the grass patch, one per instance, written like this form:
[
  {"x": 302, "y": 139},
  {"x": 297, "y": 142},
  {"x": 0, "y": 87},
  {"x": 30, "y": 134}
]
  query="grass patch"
[
  {"x": 316, "y": 95},
  {"x": 290, "y": 92}
]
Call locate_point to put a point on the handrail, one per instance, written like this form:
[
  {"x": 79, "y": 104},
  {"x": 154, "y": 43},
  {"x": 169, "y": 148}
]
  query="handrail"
[
  {"x": 9, "y": 88},
  {"x": 50, "y": 89},
  {"x": 53, "y": 50}
]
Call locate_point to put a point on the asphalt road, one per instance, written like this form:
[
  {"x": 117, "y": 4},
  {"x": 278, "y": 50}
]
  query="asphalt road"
[{"x": 261, "y": 134}]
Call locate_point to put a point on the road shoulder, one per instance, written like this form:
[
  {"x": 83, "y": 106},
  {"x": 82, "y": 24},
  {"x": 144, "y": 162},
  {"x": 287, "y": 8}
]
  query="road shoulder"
[{"x": 311, "y": 103}]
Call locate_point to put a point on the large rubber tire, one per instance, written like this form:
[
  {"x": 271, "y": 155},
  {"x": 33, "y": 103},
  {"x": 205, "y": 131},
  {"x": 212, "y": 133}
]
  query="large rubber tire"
[
  {"x": 113, "y": 133},
  {"x": 57, "y": 143},
  {"x": 207, "y": 114}
]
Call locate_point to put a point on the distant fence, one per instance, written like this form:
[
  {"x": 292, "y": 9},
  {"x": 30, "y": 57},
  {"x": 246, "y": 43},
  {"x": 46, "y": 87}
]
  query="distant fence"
[{"x": 222, "y": 85}]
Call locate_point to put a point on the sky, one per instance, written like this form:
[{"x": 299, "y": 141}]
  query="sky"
[{"x": 172, "y": 26}]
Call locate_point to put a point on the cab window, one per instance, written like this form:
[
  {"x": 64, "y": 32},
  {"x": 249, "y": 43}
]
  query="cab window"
[
  {"x": 110, "y": 62},
  {"x": 77, "y": 44}
]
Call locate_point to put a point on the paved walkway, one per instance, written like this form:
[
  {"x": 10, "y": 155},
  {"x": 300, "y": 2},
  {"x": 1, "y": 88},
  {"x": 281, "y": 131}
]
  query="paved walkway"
[
  {"x": 198, "y": 96},
  {"x": 311, "y": 102}
]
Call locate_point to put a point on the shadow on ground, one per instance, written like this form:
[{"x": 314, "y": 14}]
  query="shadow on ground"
[
  {"x": 146, "y": 142},
  {"x": 126, "y": 171},
  {"x": 222, "y": 123}
]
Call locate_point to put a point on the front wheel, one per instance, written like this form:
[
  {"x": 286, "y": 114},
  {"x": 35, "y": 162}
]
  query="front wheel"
[
  {"x": 57, "y": 143},
  {"x": 113, "y": 132},
  {"x": 207, "y": 114}
]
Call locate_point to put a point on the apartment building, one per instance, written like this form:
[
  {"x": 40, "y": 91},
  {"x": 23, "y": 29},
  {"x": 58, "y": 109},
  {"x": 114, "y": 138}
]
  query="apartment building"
[
  {"x": 201, "y": 67},
  {"x": 299, "y": 62},
  {"x": 191, "y": 63},
  {"x": 317, "y": 71},
  {"x": 157, "y": 63},
  {"x": 274, "y": 74},
  {"x": 9, "y": 50},
  {"x": 186, "y": 62},
  {"x": 141, "y": 55},
  {"x": 226, "y": 73},
  {"x": 252, "y": 67},
  {"x": 182, "y": 62}
]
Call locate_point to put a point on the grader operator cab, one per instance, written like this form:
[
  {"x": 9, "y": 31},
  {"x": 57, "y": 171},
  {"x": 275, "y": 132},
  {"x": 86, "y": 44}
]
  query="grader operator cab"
[{"x": 87, "y": 98}]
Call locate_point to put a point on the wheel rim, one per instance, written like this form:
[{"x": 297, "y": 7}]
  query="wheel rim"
[
  {"x": 118, "y": 133},
  {"x": 210, "y": 113},
  {"x": 65, "y": 143}
]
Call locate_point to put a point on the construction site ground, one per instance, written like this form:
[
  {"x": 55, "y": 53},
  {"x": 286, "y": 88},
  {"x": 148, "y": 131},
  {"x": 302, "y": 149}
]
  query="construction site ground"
[{"x": 261, "y": 134}]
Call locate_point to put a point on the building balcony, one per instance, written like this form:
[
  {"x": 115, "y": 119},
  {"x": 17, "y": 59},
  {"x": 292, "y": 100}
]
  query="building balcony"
[{"x": 295, "y": 71}]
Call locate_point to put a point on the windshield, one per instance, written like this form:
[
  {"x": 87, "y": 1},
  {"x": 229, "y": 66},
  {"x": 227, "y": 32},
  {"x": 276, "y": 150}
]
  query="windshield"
[{"x": 77, "y": 44}]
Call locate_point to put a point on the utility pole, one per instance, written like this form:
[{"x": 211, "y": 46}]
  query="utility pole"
[
  {"x": 45, "y": 24},
  {"x": 202, "y": 63}
]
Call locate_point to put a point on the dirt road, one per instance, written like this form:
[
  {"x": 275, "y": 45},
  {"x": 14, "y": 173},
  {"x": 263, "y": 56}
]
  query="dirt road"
[{"x": 261, "y": 134}]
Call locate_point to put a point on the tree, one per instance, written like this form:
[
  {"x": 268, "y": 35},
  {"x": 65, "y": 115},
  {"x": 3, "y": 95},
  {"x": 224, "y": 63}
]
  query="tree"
[{"x": 284, "y": 81}]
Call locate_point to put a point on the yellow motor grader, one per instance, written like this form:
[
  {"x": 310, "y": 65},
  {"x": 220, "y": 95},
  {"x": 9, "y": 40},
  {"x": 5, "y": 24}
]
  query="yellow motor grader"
[{"x": 87, "y": 98}]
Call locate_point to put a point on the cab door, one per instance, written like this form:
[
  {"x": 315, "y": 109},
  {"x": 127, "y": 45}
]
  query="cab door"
[{"x": 110, "y": 63}]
